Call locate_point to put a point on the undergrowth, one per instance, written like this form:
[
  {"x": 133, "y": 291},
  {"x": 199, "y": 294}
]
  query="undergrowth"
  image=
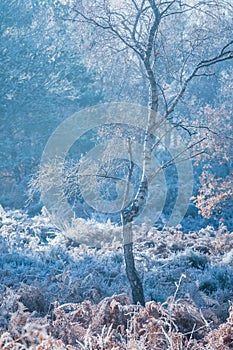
[{"x": 58, "y": 294}]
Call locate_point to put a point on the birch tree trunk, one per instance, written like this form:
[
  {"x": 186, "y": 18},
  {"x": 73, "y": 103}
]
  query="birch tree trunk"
[
  {"x": 132, "y": 274},
  {"x": 128, "y": 215}
]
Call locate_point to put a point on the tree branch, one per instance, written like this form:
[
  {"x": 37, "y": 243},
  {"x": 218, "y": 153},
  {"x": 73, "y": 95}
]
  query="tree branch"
[
  {"x": 223, "y": 56},
  {"x": 153, "y": 30},
  {"x": 108, "y": 27},
  {"x": 171, "y": 161}
]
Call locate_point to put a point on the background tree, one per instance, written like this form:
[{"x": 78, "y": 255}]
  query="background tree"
[
  {"x": 215, "y": 195},
  {"x": 42, "y": 82}
]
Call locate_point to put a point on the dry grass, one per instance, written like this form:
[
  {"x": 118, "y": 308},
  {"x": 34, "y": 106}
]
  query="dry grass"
[
  {"x": 53, "y": 297},
  {"x": 115, "y": 324}
]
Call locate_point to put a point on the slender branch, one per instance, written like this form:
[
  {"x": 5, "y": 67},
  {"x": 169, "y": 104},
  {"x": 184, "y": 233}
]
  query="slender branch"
[
  {"x": 168, "y": 7},
  {"x": 108, "y": 27},
  {"x": 105, "y": 176},
  {"x": 164, "y": 96},
  {"x": 171, "y": 161},
  {"x": 190, "y": 157},
  {"x": 204, "y": 127},
  {"x": 227, "y": 45},
  {"x": 223, "y": 56},
  {"x": 137, "y": 19}
]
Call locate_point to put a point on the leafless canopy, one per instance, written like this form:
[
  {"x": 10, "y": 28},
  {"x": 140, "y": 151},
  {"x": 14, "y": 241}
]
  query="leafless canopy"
[{"x": 191, "y": 36}]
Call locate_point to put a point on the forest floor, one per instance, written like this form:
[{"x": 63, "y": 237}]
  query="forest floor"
[{"x": 58, "y": 294}]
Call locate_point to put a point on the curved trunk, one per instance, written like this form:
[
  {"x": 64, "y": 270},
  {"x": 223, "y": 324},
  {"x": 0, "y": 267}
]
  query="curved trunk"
[{"x": 129, "y": 214}]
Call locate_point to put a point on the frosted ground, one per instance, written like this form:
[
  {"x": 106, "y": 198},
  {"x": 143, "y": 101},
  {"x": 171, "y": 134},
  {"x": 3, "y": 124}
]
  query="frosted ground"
[{"x": 188, "y": 276}]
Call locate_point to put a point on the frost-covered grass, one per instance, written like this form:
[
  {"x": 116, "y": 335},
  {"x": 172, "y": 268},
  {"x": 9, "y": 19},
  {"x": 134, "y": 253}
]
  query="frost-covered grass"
[{"x": 58, "y": 294}]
